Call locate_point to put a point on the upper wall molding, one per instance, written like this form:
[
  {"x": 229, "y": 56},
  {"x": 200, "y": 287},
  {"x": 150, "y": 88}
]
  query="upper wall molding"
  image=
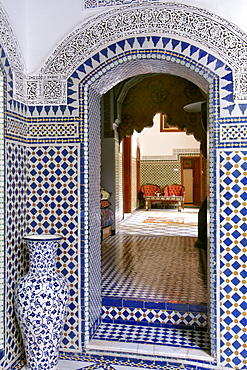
[
  {"x": 189, "y": 22},
  {"x": 209, "y": 31},
  {"x": 10, "y": 45}
]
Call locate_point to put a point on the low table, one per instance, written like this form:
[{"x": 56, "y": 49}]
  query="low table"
[{"x": 164, "y": 199}]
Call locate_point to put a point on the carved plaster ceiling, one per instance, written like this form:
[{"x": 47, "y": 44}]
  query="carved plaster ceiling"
[
  {"x": 162, "y": 93},
  {"x": 190, "y": 23}
]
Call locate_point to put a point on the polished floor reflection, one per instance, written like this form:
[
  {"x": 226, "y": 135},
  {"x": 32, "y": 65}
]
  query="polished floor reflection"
[
  {"x": 160, "y": 268},
  {"x": 145, "y": 262}
]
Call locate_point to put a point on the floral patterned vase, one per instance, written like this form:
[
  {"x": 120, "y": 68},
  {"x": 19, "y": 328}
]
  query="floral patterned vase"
[{"x": 41, "y": 300}]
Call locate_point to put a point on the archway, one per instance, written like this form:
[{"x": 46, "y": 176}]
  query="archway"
[
  {"x": 166, "y": 37},
  {"x": 94, "y": 92}
]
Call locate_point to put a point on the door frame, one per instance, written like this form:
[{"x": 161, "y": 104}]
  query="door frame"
[{"x": 193, "y": 162}]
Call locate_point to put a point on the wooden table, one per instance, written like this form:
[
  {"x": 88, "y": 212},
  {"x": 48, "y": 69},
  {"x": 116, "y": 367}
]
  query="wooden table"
[{"x": 164, "y": 199}]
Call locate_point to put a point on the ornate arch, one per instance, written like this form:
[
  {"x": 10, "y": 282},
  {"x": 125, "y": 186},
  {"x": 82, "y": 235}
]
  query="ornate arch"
[
  {"x": 187, "y": 22},
  {"x": 9, "y": 44}
]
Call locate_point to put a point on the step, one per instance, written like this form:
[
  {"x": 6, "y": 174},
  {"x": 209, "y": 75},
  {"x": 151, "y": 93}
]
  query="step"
[
  {"x": 160, "y": 314},
  {"x": 151, "y": 341}
]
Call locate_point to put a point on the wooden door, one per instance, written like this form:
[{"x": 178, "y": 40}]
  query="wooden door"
[
  {"x": 196, "y": 181},
  {"x": 127, "y": 175},
  {"x": 138, "y": 173},
  {"x": 191, "y": 179}
]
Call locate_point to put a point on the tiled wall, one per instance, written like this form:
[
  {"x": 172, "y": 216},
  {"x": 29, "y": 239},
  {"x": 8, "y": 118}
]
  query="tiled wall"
[
  {"x": 160, "y": 173},
  {"x": 2, "y": 202},
  {"x": 53, "y": 207},
  {"x": 40, "y": 135}
]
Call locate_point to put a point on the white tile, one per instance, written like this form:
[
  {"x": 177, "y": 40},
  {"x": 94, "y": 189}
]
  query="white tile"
[
  {"x": 105, "y": 345},
  {"x": 72, "y": 365},
  {"x": 197, "y": 354},
  {"x": 145, "y": 349},
  {"x": 176, "y": 352}
]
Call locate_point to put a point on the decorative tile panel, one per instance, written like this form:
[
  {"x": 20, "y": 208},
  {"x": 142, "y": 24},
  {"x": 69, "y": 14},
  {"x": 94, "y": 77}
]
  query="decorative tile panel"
[
  {"x": 122, "y": 45},
  {"x": 16, "y": 253},
  {"x": 233, "y": 132},
  {"x": 53, "y": 208},
  {"x": 92, "y": 208},
  {"x": 164, "y": 318},
  {"x": 233, "y": 257},
  {"x": 160, "y": 173},
  {"x": 56, "y": 129}
]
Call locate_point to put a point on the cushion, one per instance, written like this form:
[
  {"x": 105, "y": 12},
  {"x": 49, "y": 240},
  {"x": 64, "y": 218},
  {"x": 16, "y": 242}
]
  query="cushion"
[
  {"x": 105, "y": 194},
  {"x": 104, "y": 203}
]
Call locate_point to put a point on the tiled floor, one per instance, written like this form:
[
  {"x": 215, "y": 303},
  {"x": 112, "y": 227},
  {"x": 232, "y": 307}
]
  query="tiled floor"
[
  {"x": 157, "y": 263},
  {"x": 134, "y": 224},
  {"x": 154, "y": 265},
  {"x": 153, "y": 335}
]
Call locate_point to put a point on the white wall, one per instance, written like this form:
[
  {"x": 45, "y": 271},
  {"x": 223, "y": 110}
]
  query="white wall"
[
  {"x": 40, "y": 25},
  {"x": 156, "y": 143}
]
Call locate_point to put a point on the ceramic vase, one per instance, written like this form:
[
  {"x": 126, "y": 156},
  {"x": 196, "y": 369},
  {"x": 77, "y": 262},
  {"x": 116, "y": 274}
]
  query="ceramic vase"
[{"x": 41, "y": 300}]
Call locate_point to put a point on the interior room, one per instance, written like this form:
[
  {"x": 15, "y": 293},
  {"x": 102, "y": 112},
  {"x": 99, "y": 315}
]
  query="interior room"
[{"x": 141, "y": 249}]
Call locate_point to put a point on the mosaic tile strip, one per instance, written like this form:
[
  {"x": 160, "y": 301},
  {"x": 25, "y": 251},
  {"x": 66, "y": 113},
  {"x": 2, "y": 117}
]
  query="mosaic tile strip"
[
  {"x": 233, "y": 132},
  {"x": 16, "y": 253},
  {"x": 233, "y": 257},
  {"x": 16, "y": 128},
  {"x": 150, "y": 316},
  {"x": 97, "y": 362},
  {"x": 149, "y": 335},
  {"x": 2, "y": 218},
  {"x": 54, "y": 129},
  {"x": 174, "y": 157},
  {"x": 93, "y": 303},
  {"x": 53, "y": 208},
  {"x": 23, "y": 129}
]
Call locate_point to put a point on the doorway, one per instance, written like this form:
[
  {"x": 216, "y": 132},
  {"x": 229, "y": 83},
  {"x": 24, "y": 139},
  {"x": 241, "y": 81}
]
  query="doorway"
[
  {"x": 191, "y": 175},
  {"x": 93, "y": 267},
  {"x": 132, "y": 270}
]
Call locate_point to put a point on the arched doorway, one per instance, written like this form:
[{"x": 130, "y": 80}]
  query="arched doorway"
[
  {"x": 175, "y": 35},
  {"x": 116, "y": 313},
  {"x": 94, "y": 96}
]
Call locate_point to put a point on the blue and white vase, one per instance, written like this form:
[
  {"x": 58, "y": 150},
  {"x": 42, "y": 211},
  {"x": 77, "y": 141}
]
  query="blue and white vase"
[{"x": 41, "y": 301}]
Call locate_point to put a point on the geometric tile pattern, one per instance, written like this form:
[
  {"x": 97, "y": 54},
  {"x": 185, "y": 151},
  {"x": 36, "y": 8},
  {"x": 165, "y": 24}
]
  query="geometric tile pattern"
[
  {"x": 93, "y": 238},
  {"x": 234, "y": 132},
  {"x": 2, "y": 216},
  {"x": 56, "y": 129},
  {"x": 16, "y": 127},
  {"x": 16, "y": 256},
  {"x": 232, "y": 334},
  {"x": 20, "y": 128},
  {"x": 150, "y": 316},
  {"x": 160, "y": 173},
  {"x": 70, "y": 52},
  {"x": 52, "y": 192},
  {"x": 233, "y": 257},
  {"x": 151, "y": 335}
]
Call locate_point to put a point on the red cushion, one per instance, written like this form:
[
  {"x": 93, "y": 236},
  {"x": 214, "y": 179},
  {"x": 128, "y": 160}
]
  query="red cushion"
[{"x": 150, "y": 190}]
